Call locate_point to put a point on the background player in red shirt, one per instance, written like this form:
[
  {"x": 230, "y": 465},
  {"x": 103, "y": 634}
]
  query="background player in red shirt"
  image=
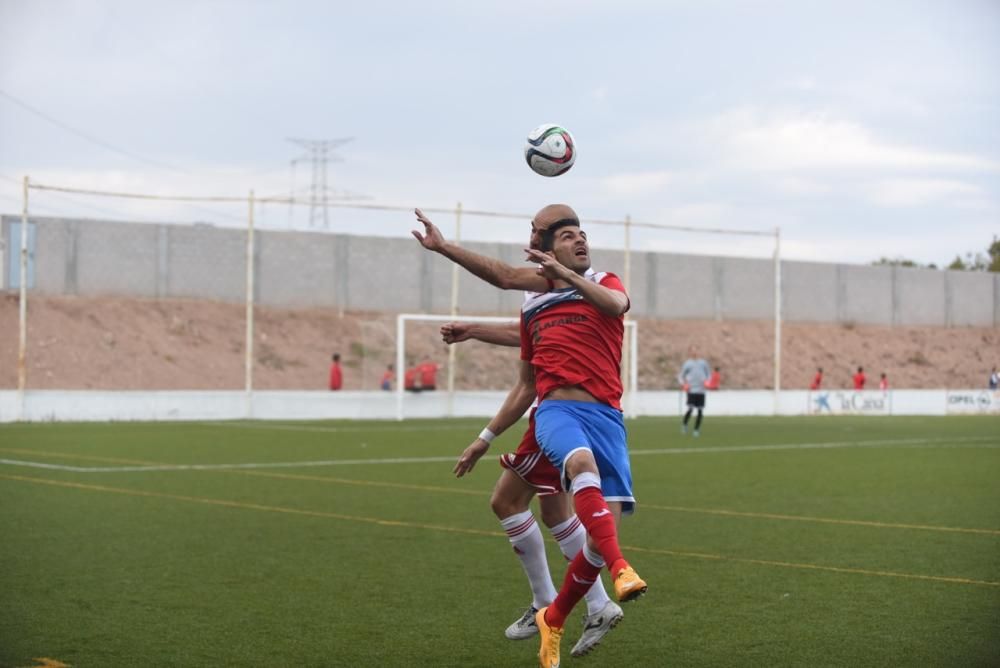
[
  {"x": 859, "y": 379},
  {"x": 714, "y": 381},
  {"x": 527, "y": 472},
  {"x": 336, "y": 373},
  {"x": 817, "y": 380}
]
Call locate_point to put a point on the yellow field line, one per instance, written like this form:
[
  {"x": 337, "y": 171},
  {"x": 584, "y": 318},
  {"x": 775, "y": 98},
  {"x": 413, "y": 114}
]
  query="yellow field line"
[
  {"x": 704, "y": 511},
  {"x": 248, "y": 506},
  {"x": 478, "y": 532},
  {"x": 822, "y": 520},
  {"x": 73, "y": 455},
  {"x": 262, "y": 474},
  {"x": 472, "y": 492},
  {"x": 362, "y": 483},
  {"x": 813, "y": 567}
]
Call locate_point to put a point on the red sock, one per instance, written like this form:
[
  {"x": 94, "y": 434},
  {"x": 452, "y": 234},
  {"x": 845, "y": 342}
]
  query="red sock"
[
  {"x": 580, "y": 576},
  {"x": 596, "y": 517}
]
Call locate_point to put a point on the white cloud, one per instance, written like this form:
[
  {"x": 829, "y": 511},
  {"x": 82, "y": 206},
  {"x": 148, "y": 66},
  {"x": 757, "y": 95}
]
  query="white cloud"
[
  {"x": 804, "y": 84},
  {"x": 638, "y": 183},
  {"x": 918, "y": 192},
  {"x": 700, "y": 213},
  {"x": 752, "y": 139},
  {"x": 800, "y": 186}
]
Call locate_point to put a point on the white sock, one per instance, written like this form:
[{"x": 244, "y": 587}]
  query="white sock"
[
  {"x": 572, "y": 538},
  {"x": 526, "y": 539}
]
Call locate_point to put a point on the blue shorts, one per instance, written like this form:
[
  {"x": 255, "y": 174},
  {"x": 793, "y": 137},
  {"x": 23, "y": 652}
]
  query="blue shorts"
[{"x": 563, "y": 427}]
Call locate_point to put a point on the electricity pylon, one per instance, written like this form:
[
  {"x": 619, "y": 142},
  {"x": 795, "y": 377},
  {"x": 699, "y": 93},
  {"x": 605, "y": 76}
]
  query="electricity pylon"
[{"x": 318, "y": 153}]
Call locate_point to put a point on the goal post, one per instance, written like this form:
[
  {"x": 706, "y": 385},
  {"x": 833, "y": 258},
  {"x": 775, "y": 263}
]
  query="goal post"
[{"x": 630, "y": 367}]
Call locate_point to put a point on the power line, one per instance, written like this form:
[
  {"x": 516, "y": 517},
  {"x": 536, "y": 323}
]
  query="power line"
[
  {"x": 114, "y": 212},
  {"x": 84, "y": 135}
]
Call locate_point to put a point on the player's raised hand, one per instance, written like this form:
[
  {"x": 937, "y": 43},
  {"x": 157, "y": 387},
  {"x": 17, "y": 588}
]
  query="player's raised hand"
[
  {"x": 431, "y": 239},
  {"x": 548, "y": 265},
  {"x": 470, "y": 456},
  {"x": 455, "y": 332}
]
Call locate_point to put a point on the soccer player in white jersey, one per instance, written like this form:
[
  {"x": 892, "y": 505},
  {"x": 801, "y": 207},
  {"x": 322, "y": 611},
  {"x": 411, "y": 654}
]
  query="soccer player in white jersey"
[{"x": 527, "y": 472}]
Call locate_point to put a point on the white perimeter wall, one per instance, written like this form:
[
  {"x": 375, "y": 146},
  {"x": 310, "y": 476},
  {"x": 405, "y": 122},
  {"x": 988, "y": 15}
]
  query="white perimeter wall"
[{"x": 86, "y": 406}]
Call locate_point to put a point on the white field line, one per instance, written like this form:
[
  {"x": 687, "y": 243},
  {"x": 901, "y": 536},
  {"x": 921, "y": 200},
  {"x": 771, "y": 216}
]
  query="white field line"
[
  {"x": 334, "y": 430},
  {"x": 887, "y": 443},
  {"x": 225, "y": 467},
  {"x": 971, "y": 442}
]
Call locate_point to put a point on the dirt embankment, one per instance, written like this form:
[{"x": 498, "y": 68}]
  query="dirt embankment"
[{"x": 128, "y": 344}]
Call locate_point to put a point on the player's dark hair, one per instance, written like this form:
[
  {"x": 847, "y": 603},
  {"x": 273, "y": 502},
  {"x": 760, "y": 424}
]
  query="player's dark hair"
[{"x": 549, "y": 235}]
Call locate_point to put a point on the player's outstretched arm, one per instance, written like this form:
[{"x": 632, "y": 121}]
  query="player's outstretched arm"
[
  {"x": 516, "y": 404},
  {"x": 609, "y": 302},
  {"x": 494, "y": 272},
  {"x": 497, "y": 334}
]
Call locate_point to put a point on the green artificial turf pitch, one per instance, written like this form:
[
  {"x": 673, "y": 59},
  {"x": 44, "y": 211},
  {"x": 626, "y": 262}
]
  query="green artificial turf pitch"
[{"x": 830, "y": 541}]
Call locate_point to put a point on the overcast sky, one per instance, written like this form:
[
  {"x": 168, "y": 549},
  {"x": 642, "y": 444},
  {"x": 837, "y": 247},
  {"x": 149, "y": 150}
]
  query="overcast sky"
[{"x": 862, "y": 129}]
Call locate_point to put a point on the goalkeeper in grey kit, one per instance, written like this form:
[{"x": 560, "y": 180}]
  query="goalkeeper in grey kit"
[{"x": 692, "y": 378}]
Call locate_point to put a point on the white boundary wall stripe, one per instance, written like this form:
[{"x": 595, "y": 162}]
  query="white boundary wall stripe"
[{"x": 90, "y": 406}]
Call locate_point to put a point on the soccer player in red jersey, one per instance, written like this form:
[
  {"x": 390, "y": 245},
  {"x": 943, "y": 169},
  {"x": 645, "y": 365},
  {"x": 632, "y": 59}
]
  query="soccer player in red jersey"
[
  {"x": 859, "y": 379},
  {"x": 817, "y": 380},
  {"x": 714, "y": 381},
  {"x": 571, "y": 343},
  {"x": 527, "y": 472},
  {"x": 336, "y": 373},
  {"x": 571, "y": 340}
]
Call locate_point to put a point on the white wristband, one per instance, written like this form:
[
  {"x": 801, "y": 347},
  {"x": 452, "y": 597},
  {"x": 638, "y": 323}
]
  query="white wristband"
[{"x": 487, "y": 435}]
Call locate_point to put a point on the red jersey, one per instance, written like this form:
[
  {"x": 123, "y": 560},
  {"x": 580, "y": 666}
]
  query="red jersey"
[
  {"x": 714, "y": 381},
  {"x": 817, "y": 381},
  {"x": 569, "y": 342},
  {"x": 428, "y": 375},
  {"x": 859, "y": 381},
  {"x": 336, "y": 377}
]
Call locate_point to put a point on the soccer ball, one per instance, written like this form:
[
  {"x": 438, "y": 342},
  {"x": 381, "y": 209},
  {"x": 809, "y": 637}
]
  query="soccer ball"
[{"x": 550, "y": 150}]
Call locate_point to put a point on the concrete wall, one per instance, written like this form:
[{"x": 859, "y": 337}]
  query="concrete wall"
[{"x": 88, "y": 257}]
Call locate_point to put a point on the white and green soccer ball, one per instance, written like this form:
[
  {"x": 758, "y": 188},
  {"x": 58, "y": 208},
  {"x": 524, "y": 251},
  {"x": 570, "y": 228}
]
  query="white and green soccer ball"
[{"x": 550, "y": 150}]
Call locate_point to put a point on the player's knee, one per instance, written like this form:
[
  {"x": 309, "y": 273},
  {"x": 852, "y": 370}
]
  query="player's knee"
[
  {"x": 555, "y": 509},
  {"x": 502, "y": 506},
  {"x": 581, "y": 461},
  {"x": 505, "y": 504}
]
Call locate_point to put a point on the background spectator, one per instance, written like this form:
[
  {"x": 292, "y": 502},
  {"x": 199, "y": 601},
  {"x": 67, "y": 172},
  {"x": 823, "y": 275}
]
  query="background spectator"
[
  {"x": 817, "y": 381},
  {"x": 715, "y": 380},
  {"x": 421, "y": 377},
  {"x": 336, "y": 373},
  {"x": 859, "y": 379}
]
